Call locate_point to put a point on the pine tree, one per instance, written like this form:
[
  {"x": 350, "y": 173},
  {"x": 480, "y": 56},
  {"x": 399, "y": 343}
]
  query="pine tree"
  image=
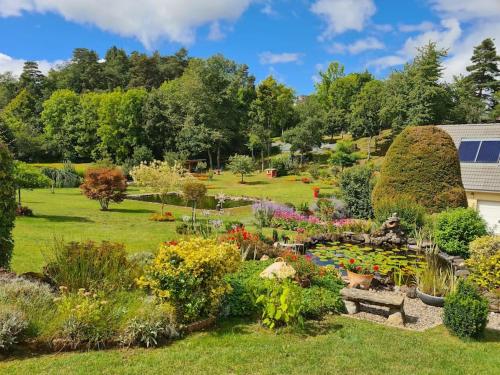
[{"x": 484, "y": 71}]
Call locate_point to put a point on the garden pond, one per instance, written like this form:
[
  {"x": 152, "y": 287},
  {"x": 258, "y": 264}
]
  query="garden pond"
[
  {"x": 399, "y": 264},
  {"x": 208, "y": 202}
]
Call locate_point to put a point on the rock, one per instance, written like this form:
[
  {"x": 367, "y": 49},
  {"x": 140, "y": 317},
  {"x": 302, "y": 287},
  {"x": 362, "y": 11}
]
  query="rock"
[
  {"x": 413, "y": 247},
  {"x": 351, "y": 307},
  {"x": 411, "y": 292},
  {"x": 462, "y": 273},
  {"x": 264, "y": 257},
  {"x": 278, "y": 270},
  {"x": 396, "y": 318}
]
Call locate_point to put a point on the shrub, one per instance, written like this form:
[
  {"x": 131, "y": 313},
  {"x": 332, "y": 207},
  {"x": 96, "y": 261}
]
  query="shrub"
[
  {"x": 314, "y": 171},
  {"x": 150, "y": 326},
  {"x": 62, "y": 178},
  {"x": 13, "y": 325},
  {"x": 283, "y": 164},
  {"x": 411, "y": 214},
  {"x": 245, "y": 284},
  {"x": 344, "y": 155},
  {"x": 85, "y": 319},
  {"x": 28, "y": 177},
  {"x": 105, "y": 185},
  {"x": 485, "y": 246},
  {"x": 423, "y": 163},
  {"x": 317, "y": 301},
  {"x": 456, "y": 228},
  {"x": 165, "y": 217},
  {"x": 34, "y": 299},
  {"x": 484, "y": 262},
  {"x": 8, "y": 210},
  {"x": 280, "y": 304},
  {"x": 356, "y": 186},
  {"x": 24, "y": 211},
  {"x": 189, "y": 275},
  {"x": 465, "y": 311},
  {"x": 91, "y": 266}
]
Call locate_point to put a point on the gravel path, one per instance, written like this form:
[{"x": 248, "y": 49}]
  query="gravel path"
[{"x": 419, "y": 316}]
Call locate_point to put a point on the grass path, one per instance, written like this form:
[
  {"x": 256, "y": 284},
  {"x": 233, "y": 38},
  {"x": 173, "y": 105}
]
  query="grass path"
[{"x": 339, "y": 345}]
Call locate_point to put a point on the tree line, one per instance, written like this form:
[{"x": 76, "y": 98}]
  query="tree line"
[{"x": 132, "y": 108}]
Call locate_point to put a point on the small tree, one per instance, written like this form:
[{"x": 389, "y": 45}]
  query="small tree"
[
  {"x": 8, "y": 199},
  {"x": 241, "y": 164},
  {"x": 343, "y": 156},
  {"x": 194, "y": 192},
  {"x": 28, "y": 177},
  {"x": 356, "y": 185},
  {"x": 161, "y": 178},
  {"x": 104, "y": 185}
]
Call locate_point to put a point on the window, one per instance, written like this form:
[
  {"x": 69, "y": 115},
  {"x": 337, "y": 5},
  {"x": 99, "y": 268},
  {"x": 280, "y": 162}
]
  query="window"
[{"x": 479, "y": 151}]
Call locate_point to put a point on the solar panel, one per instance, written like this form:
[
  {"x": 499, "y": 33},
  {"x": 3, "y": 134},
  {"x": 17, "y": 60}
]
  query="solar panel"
[
  {"x": 489, "y": 152},
  {"x": 468, "y": 151}
]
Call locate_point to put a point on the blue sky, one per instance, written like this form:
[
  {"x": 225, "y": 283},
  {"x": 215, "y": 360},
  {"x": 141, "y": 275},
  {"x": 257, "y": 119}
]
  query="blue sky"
[{"x": 290, "y": 39}]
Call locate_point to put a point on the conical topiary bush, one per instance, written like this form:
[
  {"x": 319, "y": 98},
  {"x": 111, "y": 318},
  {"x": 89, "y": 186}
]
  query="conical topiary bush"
[{"x": 422, "y": 163}]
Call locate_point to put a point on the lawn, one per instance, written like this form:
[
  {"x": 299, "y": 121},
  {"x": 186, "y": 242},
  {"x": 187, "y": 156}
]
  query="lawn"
[
  {"x": 68, "y": 215},
  {"x": 338, "y": 345}
]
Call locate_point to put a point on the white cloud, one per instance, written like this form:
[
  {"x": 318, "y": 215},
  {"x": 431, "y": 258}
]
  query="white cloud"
[
  {"x": 268, "y": 10},
  {"x": 467, "y": 9},
  {"x": 384, "y": 28},
  {"x": 358, "y": 46},
  {"x": 269, "y": 58},
  {"x": 146, "y": 20},
  {"x": 215, "y": 32},
  {"x": 10, "y": 64},
  {"x": 343, "y": 15},
  {"x": 421, "y": 27},
  {"x": 461, "y": 52},
  {"x": 445, "y": 36}
]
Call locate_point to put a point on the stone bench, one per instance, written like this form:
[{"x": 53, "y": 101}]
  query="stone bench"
[{"x": 353, "y": 297}]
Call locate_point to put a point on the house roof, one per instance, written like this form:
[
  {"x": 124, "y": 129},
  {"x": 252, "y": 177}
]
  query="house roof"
[{"x": 477, "y": 176}]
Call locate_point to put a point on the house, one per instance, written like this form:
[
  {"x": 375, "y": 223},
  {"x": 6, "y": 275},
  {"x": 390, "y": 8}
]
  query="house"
[{"x": 479, "y": 151}]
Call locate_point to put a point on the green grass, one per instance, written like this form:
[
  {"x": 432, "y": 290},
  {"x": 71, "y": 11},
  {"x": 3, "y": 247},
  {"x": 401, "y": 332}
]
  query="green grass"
[
  {"x": 339, "y": 345},
  {"x": 282, "y": 189},
  {"x": 68, "y": 215}
]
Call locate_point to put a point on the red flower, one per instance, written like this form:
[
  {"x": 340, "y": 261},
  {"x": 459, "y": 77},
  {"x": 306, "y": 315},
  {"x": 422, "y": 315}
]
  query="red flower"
[
  {"x": 376, "y": 268},
  {"x": 352, "y": 261},
  {"x": 358, "y": 268}
]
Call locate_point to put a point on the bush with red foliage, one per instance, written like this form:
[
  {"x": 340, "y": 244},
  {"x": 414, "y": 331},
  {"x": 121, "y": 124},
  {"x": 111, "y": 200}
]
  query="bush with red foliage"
[{"x": 105, "y": 185}]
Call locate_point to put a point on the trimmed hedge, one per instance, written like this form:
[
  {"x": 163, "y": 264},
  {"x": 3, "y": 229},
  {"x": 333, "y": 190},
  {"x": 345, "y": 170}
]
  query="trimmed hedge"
[
  {"x": 423, "y": 163},
  {"x": 466, "y": 311},
  {"x": 7, "y": 205}
]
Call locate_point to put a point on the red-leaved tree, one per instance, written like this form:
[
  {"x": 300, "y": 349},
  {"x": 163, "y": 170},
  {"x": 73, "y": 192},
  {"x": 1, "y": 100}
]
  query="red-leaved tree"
[{"x": 104, "y": 185}]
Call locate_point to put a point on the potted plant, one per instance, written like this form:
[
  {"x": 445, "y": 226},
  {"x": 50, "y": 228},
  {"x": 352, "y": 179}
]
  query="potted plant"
[
  {"x": 434, "y": 283},
  {"x": 359, "y": 274},
  {"x": 316, "y": 191}
]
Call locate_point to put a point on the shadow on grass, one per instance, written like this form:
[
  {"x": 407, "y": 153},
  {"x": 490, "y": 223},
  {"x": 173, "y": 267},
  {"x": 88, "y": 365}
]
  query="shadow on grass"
[
  {"x": 491, "y": 335},
  {"x": 311, "y": 328},
  {"x": 252, "y": 183},
  {"x": 64, "y": 219},
  {"x": 131, "y": 211}
]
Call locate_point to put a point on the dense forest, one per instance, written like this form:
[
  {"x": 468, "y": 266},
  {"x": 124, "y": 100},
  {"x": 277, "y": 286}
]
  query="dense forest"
[{"x": 131, "y": 108}]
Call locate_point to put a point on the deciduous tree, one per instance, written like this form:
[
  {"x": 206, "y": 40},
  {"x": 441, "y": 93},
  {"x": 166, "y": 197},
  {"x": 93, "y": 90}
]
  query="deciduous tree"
[{"x": 104, "y": 185}]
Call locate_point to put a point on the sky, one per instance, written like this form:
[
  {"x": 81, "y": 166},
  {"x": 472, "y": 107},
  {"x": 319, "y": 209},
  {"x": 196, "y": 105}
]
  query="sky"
[{"x": 290, "y": 39}]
